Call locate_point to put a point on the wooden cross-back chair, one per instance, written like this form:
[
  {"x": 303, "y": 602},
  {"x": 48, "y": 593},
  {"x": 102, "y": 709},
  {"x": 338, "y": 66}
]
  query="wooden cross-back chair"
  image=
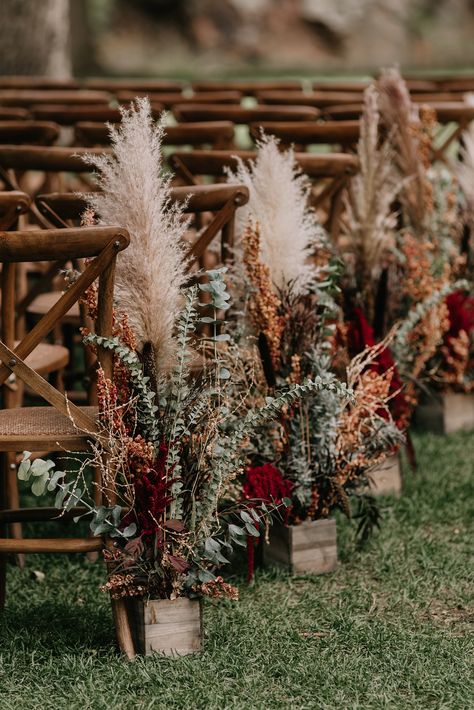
[
  {"x": 60, "y": 425},
  {"x": 318, "y": 99},
  {"x": 171, "y": 99},
  {"x": 341, "y": 85},
  {"x": 454, "y": 117},
  {"x": 13, "y": 113},
  {"x": 37, "y": 83},
  {"x": 17, "y": 132},
  {"x": 329, "y": 173},
  {"x": 25, "y": 97},
  {"x": 113, "y": 85},
  {"x": 221, "y": 201},
  {"x": 341, "y": 134},
  {"x": 36, "y": 299},
  {"x": 217, "y": 134},
  {"x": 70, "y": 115},
  {"x": 53, "y": 161},
  {"x": 243, "y": 115},
  {"x": 247, "y": 87},
  {"x": 47, "y": 358}
]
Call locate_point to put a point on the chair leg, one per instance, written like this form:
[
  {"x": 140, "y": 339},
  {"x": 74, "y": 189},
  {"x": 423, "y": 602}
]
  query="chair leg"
[
  {"x": 119, "y": 610},
  {"x": 13, "y": 499},
  {"x": 3, "y": 533},
  {"x": 122, "y": 628}
]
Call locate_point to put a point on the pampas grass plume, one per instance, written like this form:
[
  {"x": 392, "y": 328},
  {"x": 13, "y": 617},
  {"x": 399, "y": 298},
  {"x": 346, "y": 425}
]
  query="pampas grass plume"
[
  {"x": 135, "y": 194},
  {"x": 279, "y": 204}
]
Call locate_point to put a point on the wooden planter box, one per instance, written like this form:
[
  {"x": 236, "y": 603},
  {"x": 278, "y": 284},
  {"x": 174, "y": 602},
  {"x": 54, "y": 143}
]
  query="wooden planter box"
[
  {"x": 309, "y": 548},
  {"x": 446, "y": 412},
  {"x": 386, "y": 478},
  {"x": 172, "y": 627}
]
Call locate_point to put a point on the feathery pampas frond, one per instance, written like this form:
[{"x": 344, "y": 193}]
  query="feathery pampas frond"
[
  {"x": 135, "y": 194},
  {"x": 370, "y": 221},
  {"x": 399, "y": 115},
  {"x": 279, "y": 203}
]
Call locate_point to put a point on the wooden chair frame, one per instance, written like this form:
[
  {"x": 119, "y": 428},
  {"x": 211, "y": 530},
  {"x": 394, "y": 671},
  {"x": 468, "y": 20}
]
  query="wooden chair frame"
[
  {"x": 336, "y": 168},
  {"x": 171, "y": 99},
  {"x": 218, "y": 134},
  {"x": 101, "y": 245},
  {"x": 304, "y": 133},
  {"x": 318, "y": 99},
  {"x": 243, "y": 115},
  {"x": 247, "y": 87},
  {"x": 222, "y": 200},
  {"x": 28, "y": 97},
  {"x": 17, "y": 132},
  {"x": 70, "y": 115}
]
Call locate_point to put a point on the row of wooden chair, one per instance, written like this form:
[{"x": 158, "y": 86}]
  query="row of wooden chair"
[{"x": 247, "y": 87}]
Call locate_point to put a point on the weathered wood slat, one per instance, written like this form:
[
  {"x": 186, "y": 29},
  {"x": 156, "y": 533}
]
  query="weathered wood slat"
[
  {"x": 446, "y": 413},
  {"x": 171, "y": 627},
  {"x": 309, "y": 548},
  {"x": 89, "y": 544},
  {"x": 386, "y": 478}
]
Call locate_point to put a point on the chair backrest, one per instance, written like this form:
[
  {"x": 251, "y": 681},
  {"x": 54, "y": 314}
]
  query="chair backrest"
[
  {"x": 193, "y": 165},
  {"x": 246, "y": 87},
  {"x": 25, "y": 97},
  {"x": 29, "y": 83},
  {"x": 318, "y": 99},
  {"x": 47, "y": 159},
  {"x": 303, "y": 133},
  {"x": 242, "y": 114},
  {"x": 17, "y": 132},
  {"x": 218, "y": 134},
  {"x": 330, "y": 173},
  {"x": 341, "y": 85},
  {"x": 115, "y": 85},
  {"x": 100, "y": 245},
  {"x": 70, "y": 115},
  {"x": 13, "y": 113},
  {"x": 50, "y": 160},
  {"x": 12, "y": 204},
  {"x": 171, "y": 99},
  {"x": 221, "y": 200}
]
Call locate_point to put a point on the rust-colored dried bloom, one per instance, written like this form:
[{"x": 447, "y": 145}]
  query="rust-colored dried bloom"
[
  {"x": 218, "y": 589},
  {"x": 456, "y": 362},
  {"x": 123, "y": 585},
  {"x": 263, "y": 303},
  {"x": 418, "y": 285},
  {"x": 294, "y": 377}
]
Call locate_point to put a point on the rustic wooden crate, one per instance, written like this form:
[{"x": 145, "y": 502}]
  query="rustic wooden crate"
[
  {"x": 386, "y": 478},
  {"x": 172, "y": 627},
  {"x": 308, "y": 548},
  {"x": 446, "y": 412}
]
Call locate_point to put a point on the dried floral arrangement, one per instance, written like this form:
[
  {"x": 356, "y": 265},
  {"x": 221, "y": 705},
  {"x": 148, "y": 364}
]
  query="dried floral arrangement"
[
  {"x": 401, "y": 247},
  {"x": 172, "y": 436},
  {"x": 287, "y": 321}
]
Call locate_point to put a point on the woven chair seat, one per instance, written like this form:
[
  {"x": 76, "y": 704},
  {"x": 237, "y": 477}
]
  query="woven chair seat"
[
  {"x": 41, "y": 428},
  {"x": 47, "y": 358},
  {"x": 45, "y": 301}
]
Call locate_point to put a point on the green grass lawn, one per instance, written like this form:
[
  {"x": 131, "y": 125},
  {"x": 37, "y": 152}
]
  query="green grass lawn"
[{"x": 392, "y": 628}]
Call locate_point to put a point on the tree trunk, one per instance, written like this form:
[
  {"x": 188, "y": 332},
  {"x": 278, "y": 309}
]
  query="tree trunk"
[{"x": 34, "y": 38}]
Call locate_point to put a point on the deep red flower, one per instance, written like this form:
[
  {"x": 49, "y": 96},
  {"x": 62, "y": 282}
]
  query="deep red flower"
[
  {"x": 152, "y": 496},
  {"x": 461, "y": 314},
  {"x": 267, "y": 484},
  {"x": 264, "y": 484}
]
